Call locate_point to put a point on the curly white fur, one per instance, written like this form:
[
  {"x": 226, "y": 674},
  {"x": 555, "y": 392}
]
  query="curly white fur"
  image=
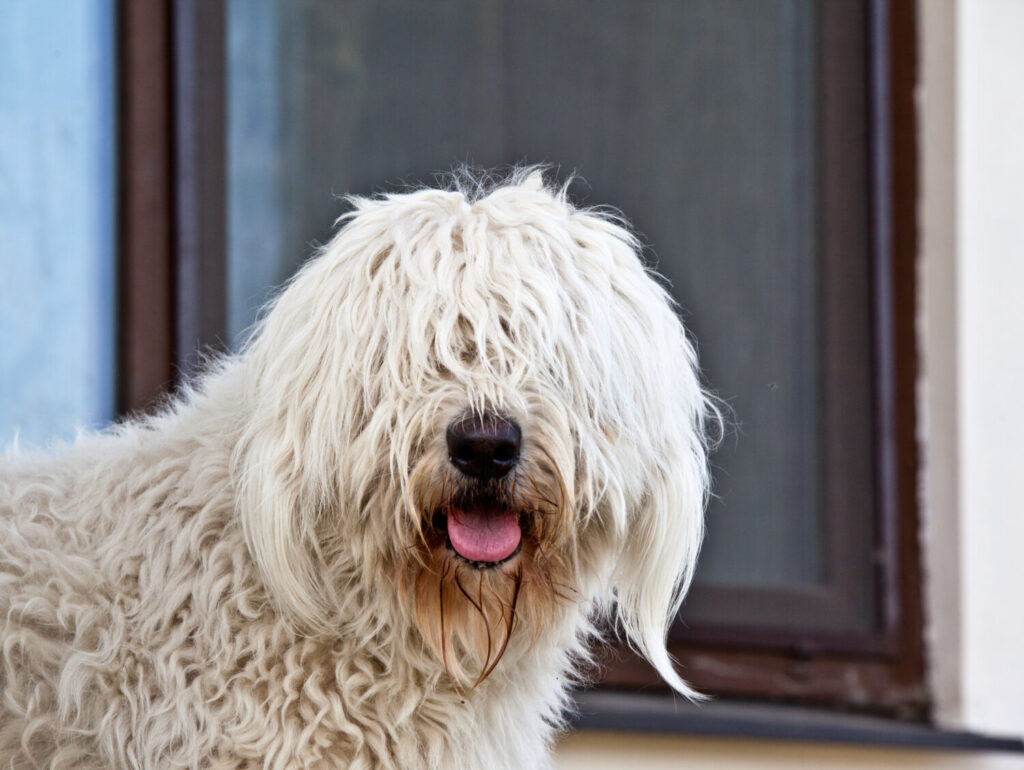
[{"x": 251, "y": 579}]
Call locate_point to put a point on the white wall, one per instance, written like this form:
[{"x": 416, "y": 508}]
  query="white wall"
[
  {"x": 972, "y": 344},
  {"x": 990, "y": 272},
  {"x": 972, "y": 340}
]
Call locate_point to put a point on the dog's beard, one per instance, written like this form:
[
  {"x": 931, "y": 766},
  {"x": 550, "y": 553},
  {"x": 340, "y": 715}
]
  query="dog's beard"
[{"x": 469, "y": 612}]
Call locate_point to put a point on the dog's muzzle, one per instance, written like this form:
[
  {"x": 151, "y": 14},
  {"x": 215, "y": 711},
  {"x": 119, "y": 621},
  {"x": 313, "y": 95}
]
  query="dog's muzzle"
[{"x": 484, "y": 448}]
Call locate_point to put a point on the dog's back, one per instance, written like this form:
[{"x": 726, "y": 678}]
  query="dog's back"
[
  {"x": 51, "y": 604},
  {"x": 104, "y": 549}
]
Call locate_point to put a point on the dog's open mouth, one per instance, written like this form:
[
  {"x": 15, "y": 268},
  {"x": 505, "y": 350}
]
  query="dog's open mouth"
[{"x": 484, "y": 535}]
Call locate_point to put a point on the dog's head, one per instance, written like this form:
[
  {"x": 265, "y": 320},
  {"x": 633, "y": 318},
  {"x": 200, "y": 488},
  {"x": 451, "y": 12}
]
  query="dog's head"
[{"x": 481, "y": 404}]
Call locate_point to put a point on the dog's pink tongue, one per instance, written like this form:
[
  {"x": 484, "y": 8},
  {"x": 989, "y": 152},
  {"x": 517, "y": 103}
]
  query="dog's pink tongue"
[{"x": 484, "y": 535}]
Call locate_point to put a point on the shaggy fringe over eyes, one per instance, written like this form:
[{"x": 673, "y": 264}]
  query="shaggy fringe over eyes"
[{"x": 431, "y": 303}]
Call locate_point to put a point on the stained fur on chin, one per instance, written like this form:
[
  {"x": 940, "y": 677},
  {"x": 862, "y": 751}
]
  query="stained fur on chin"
[{"x": 260, "y": 576}]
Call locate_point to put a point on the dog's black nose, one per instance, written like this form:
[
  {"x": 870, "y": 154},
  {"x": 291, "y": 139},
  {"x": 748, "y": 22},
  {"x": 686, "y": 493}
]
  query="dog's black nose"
[{"x": 484, "y": 447}]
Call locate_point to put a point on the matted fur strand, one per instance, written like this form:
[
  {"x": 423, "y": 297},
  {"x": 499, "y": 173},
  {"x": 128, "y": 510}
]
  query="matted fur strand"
[{"x": 261, "y": 576}]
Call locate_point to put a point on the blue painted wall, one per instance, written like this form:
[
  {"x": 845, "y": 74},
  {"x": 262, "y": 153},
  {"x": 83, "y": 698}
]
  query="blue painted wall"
[{"x": 57, "y": 208}]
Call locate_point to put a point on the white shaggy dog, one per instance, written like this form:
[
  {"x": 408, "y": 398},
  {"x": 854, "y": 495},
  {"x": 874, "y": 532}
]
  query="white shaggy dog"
[{"x": 378, "y": 536}]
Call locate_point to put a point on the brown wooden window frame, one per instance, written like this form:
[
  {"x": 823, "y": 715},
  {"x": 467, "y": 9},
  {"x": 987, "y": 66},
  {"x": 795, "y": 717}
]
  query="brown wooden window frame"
[
  {"x": 172, "y": 278},
  {"x": 881, "y": 672}
]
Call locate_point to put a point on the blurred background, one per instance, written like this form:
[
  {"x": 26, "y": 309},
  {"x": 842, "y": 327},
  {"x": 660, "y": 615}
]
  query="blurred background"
[{"x": 832, "y": 190}]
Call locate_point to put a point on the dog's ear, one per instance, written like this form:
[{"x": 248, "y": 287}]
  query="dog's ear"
[
  {"x": 286, "y": 462},
  {"x": 281, "y": 538},
  {"x": 658, "y": 558}
]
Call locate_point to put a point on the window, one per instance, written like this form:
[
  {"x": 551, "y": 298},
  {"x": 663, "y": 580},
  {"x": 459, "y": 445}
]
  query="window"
[
  {"x": 840, "y": 621},
  {"x": 764, "y": 151}
]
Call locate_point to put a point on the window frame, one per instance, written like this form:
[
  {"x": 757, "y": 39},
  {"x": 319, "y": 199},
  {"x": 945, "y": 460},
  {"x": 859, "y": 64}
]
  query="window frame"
[
  {"x": 883, "y": 672},
  {"x": 145, "y": 209},
  {"x": 172, "y": 238},
  {"x": 835, "y": 611}
]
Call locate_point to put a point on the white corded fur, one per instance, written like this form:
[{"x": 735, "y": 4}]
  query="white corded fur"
[{"x": 249, "y": 579}]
